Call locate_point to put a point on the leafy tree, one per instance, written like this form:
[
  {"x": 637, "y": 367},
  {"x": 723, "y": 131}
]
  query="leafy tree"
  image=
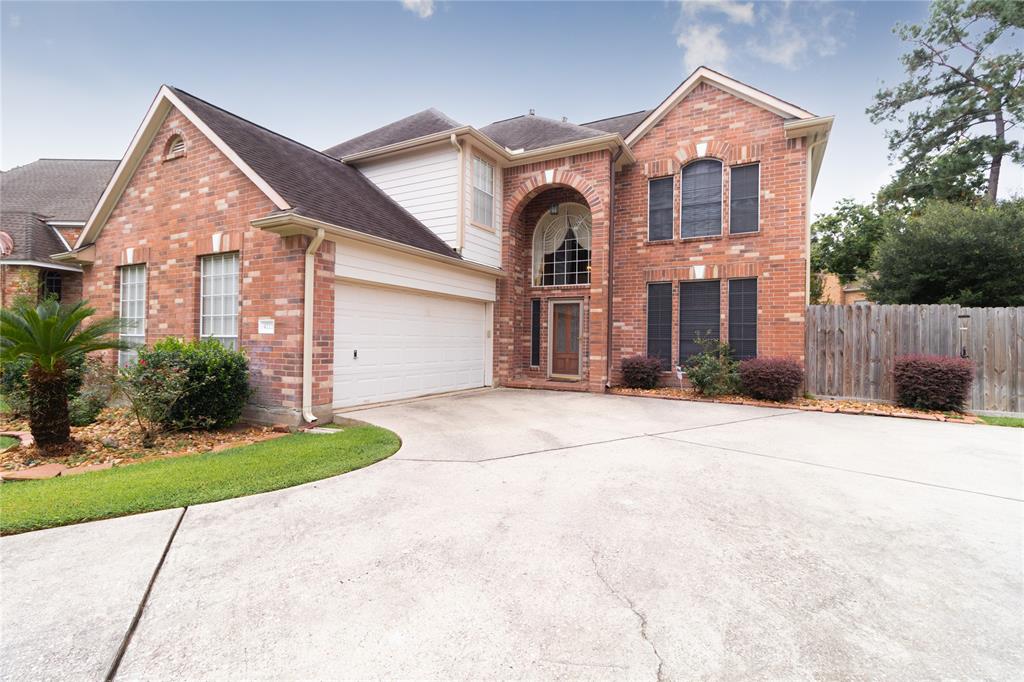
[
  {"x": 953, "y": 176},
  {"x": 952, "y": 253},
  {"x": 842, "y": 241},
  {"x": 52, "y": 337},
  {"x": 961, "y": 98}
]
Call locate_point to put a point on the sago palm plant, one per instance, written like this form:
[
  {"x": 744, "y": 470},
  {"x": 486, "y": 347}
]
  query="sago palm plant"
[{"x": 50, "y": 336}]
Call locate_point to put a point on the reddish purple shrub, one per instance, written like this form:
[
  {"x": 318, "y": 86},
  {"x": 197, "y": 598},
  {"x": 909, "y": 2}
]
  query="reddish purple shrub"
[
  {"x": 640, "y": 371},
  {"x": 771, "y": 378},
  {"x": 933, "y": 382}
]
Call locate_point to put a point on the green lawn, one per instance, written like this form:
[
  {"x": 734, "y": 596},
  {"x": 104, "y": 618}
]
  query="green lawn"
[
  {"x": 7, "y": 441},
  {"x": 177, "y": 482},
  {"x": 1004, "y": 421}
]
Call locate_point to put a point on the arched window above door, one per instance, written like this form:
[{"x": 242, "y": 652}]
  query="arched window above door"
[{"x": 561, "y": 246}]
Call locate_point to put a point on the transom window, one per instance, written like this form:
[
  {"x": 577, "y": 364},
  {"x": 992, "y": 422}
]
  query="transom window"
[
  {"x": 132, "y": 312},
  {"x": 700, "y": 209},
  {"x": 561, "y": 246},
  {"x": 219, "y": 298},
  {"x": 483, "y": 192}
]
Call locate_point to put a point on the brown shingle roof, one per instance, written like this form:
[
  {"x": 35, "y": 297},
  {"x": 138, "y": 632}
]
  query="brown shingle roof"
[
  {"x": 623, "y": 125},
  {"x": 534, "y": 132},
  {"x": 33, "y": 238},
  {"x": 314, "y": 184},
  {"x": 58, "y": 189},
  {"x": 426, "y": 122}
]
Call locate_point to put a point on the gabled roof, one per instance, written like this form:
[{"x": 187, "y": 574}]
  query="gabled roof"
[
  {"x": 623, "y": 125},
  {"x": 730, "y": 85},
  {"x": 426, "y": 122},
  {"x": 57, "y": 189},
  {"x": 298, "y": 179},
  {"x": 536, "y": 132},
  {"x": 32, "y": 238}
]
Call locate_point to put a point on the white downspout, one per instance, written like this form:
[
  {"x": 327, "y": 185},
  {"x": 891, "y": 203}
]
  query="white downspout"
[
  {"x": 461, "y": 219},
  {"x": 307, "y": 327}
]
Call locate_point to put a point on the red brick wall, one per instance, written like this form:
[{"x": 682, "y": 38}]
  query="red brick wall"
[
  {"x": 736, "y": 132},
  {"x": 17, "y": 280},
  {"x": 172, "y": 213}
]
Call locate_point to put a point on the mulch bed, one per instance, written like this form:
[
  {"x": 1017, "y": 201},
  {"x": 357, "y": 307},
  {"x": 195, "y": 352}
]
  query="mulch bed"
[
  {"x": 806, "y": 404},
  {"x": 114, "y": 440}
]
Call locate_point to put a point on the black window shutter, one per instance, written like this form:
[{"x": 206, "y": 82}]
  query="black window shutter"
[
  {"x": 700, "y": 201},
  {"x": 535, "y": 333},
  {"x": 659, "y": 209},
  {"x": 659, "y": 322},
  {"x": 743, "y": 318},
  {"x": 743, "y": 204},
  {"x": 699, "y": 315}
]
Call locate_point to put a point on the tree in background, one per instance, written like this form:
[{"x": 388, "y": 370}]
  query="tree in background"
[
  {"x": 842, "y": 241},
  {"x": 952, "y": 253},
  {"x": 963, "y": 94}
]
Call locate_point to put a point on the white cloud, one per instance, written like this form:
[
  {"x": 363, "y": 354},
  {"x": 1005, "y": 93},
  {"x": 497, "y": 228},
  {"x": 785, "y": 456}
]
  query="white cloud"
[
  {"x": 736, "y": 12},
  {"x": 703, "y": 46},
  {"x": 424, "y": 8},
  {"x": 785, "y": 34}
]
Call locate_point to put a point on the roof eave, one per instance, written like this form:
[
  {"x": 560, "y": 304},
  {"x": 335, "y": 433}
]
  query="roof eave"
[
  {"x": 288, "y": 223},
  {"x": 817, "y": 131}
]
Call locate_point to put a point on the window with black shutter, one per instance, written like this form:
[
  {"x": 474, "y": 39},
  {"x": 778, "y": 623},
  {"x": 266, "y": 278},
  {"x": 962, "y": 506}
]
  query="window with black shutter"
[
  {"x": 743, "y": 204},
  {"x": 535, "y": 333},
  {"x": 700, "y": 201},
  {"x": 699, "y": 315},
  {"x": 659, "y": 209},
  {"x": 743, "y": 318},
  {"x": 659, "y": 322}
]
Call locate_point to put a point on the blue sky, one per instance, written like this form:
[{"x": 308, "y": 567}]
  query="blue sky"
[{"x": 77, "y": 78}]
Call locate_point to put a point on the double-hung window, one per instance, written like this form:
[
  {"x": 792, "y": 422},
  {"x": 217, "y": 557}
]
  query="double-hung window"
[
  {"x": 744, "y": 207},
  {"x": 700, "y": 199},
  {"x": 483, "y": 192},
  {"x": 699, "y": 316},
  {"x": 132, "y": 312},
  {"x": 218, "y": 307},
  {"x": 659, "y": 209}
]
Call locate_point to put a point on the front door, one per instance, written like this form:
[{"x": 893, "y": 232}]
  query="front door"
[{"x": 565, "y": 349}]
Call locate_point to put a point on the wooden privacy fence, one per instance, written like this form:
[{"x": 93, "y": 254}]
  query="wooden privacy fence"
[{"x": 851, "y": 349}]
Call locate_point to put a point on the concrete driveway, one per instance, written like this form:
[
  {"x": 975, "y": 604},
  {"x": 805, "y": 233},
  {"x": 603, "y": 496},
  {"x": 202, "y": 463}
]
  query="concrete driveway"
[{"x": 527, "y": 534}]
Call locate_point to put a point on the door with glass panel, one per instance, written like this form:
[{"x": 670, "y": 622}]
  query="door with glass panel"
[{"x": 565, "y": 339}]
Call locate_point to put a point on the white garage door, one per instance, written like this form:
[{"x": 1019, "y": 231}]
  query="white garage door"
[{"x": 391, "y": 344}]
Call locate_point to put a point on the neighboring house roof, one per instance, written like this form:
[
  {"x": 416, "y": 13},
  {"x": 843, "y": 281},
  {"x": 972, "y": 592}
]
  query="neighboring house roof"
[
  {"x": 58, "y": 189},
  {"x": 33, "y": 240},
  {"x": 426, "y": 122},
  {"x": 623, "y": 125},
  {"x": 535, "y": 132}
]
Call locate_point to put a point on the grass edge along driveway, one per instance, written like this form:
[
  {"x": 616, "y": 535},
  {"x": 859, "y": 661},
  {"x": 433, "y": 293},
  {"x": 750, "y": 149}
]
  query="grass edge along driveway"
[{"x": 195, "y": 479}]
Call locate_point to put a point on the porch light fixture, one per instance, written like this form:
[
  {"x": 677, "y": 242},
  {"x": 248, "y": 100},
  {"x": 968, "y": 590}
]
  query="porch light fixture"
[{"x": 964, "y": 322}]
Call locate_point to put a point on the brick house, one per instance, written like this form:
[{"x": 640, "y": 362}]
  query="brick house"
[
  {"x": 430, "y": 256},
  {"x": 43, "y": 208}
]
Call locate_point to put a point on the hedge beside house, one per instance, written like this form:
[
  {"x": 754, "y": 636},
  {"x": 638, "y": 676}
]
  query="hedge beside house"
[{"x": 933, "y": 382}]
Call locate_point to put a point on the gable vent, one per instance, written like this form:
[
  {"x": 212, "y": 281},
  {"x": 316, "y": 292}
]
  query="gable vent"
[{"x": 175, "y": 147}]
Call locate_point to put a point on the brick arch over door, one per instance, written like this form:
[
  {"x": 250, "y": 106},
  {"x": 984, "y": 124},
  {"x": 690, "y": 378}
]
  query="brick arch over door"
[{"x": 544, "y": 180}]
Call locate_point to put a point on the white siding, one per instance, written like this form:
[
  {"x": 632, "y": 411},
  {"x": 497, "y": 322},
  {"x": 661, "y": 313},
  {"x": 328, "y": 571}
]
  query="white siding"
[
  {"x": 480, "y": 245},
  {"x": 364, "y": 262},
  {"x": 426, "y": 184}
]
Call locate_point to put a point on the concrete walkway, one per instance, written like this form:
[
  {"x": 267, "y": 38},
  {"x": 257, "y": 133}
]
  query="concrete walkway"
[{"x": 527, "y": 534}]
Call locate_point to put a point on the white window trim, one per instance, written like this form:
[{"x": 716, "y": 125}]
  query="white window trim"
[
  {"x": 124, "y": 357},
  {"x": 202, "y": 298},
  {"x": 721, "y": 200},
  {"x": 472, "y": 173},
  {"x": 744, "y": 165}
]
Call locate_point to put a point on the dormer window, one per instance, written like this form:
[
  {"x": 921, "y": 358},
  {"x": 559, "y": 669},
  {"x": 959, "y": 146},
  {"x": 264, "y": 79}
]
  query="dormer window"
[{"x": 175, "y": 147}]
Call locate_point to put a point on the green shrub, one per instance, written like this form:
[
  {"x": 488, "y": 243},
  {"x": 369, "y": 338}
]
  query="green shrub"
[
  {"x": 97, "y": 388},
  {"x": 713, "y": 371},
  {"x": 217, "y": 384},
  {"x": 14, "y": 382}
]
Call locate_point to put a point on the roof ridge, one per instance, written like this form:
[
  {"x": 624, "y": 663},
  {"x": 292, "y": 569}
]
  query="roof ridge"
[
  {"x": 67, "y": 158},
  {"x": 257, "y": 125},
  {"x": 608, "y": 118}
]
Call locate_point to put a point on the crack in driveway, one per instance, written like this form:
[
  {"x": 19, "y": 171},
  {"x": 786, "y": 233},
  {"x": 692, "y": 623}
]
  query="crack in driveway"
[{"x": 624, "y": 598}]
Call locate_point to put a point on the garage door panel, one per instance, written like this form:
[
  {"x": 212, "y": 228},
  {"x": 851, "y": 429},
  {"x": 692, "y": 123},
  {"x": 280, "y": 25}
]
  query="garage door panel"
[{"x": 408, "y": 344}]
